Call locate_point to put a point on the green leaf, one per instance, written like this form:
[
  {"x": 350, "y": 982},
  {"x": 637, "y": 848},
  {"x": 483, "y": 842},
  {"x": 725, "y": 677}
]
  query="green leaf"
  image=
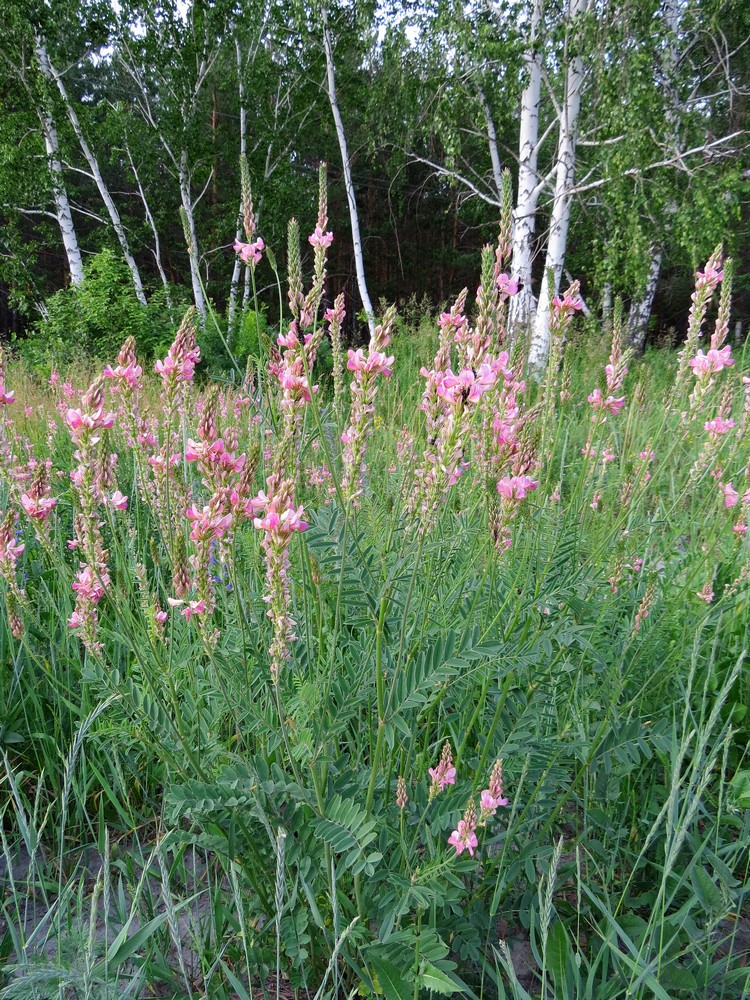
[
  {"x": 437, "y": 981},
  {"x": 390, "y": 981},
  {"x": 705, "y": 890},
  {"x": 558, "y": 953},
  {"x": 740, "y": 788}
]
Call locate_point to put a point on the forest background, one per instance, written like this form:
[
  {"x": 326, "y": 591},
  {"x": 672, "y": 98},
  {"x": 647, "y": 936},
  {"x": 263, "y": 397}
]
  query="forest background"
[{"x": 623, "y": 125}]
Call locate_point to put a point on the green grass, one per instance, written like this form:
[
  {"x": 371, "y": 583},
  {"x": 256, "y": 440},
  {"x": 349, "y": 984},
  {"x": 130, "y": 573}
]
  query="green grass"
[{"x": 175, "y": 824}]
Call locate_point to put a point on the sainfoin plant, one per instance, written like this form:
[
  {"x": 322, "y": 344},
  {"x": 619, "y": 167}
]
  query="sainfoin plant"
[{"x": 404, "y": 702}]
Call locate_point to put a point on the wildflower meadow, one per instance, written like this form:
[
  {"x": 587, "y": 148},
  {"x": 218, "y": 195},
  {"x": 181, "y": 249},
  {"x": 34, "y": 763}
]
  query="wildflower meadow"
[{"x": 418, "y": 671}]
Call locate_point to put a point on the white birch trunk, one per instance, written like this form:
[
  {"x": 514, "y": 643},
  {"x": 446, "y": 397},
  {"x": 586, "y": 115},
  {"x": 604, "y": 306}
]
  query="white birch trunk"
[
  {"x": 192, "y": 236},
  {"x": 607, "y": 305},
  {"x": 353, "y": 214},
  {"x": 60, "y": 195},
  {"x": 640, "y": 311},
  {"x": 51, "y": 74},
  {"x": 560, "y": 221},
  {"x": 523, "y": 305},
  {"x": 234, "y": 288},
  {"x": 497, "y": 167},
  {"x": 152, "y": 224}
]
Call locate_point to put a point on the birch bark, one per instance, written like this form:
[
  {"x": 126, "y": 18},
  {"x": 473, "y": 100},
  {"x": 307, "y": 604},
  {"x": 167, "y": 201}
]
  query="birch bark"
[
  {"x": 60, "y": 195},
  {"x": 234, "y": 288},
  {"x": 523, "y": 305},
  {"x": 565, "y": 176},
  {"x": 52, "y": 76},
  {"x": 640, "y": 311},
  {"x": 353, "y": 213}
]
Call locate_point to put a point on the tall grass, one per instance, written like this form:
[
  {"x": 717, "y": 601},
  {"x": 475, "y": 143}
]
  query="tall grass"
[{"x": 207, "y": 806}]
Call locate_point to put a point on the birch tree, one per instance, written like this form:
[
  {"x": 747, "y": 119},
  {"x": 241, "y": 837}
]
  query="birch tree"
[
  {"x": 565, "y": 162},
  {"x": 52, "y": 76},
  {"x": 346, "y": 165},
  {"x": 168, "y": 61},
  {"x": 18, "y": 63}
]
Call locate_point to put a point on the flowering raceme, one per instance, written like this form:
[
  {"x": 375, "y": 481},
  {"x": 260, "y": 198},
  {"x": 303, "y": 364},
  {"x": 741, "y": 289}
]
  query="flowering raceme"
[
  {"x": 363, "y": 389},
  {"x": 464, "y": 837},
  {"x": 516, "y": 487},
  {"x": 611, "y": 404},
  {"x": 444, "y": 774},
  {"x": 250, "y": 253},
  {"x": 278, "y": 519}
]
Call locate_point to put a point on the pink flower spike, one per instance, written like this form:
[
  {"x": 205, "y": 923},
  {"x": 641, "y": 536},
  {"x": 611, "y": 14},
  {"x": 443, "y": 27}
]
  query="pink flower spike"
[
  {"x": 507, "y": 285},
  {"x": 319, "y": 238},
  {"x": 5, "y": 397},
  {"x": 250, "y": 253},
  {"x": 463, "y": 838},
  {"x": 193, "y": 608},
  {"x": 118, "y": 500},
  {"x": 731, "y": 496},
  {"x": 39, "y": 509},
  {"x": 718, "y": 426}
]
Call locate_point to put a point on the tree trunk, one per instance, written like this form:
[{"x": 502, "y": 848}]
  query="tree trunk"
[
  {"x": 234, "y": 288},
  {"x": 152, "y": 224},
  {"x": 607, "y": 306},
  {"x": 640, "y": 311},
  {"x": 497, "y": 167},
  {"x": 560, "y": 221},
  {"x": 353, "y": 214},
  {"x": 60, "y": 195},
  {"x": 51, "y": 74},
  {"x": 523, "y": 305},
  {"x": 191, "y": 236}
]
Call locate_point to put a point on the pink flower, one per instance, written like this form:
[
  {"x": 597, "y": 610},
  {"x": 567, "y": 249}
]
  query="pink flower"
[
  {"x": 288, "y": 339},
  {"x": 710, "y": 276},
  {"x": 250, "y": 253},
  {"x": 193, "y": 608},
  {"x": 282, "y": 524},
  {"x": 160, "y": 617},
  {"x": 11, "y": 551},
  {"x": 5, "y": 397},
  {"x": 75, "y": 620},
  {"x": 444, "y": 774},
  {"x": 90, "y": 587},
  {"x": 567, "y": 303},
  {"x": 731, "y": 496},
  {"x": 207, "y": 523},
  {"x": 706, "y": 594},
  {"x": 38, "y": 508},
  {"x": 373, "y": 363},
  {"x": 612, "y": 404},
  {"x": 718, "y": 426},
  {"x": 54, "y": 378},
  {"x": 507, "y": 285},
  {"x": 78, "y": 420},
  {"x": 464, "y": 838},
  {"x": 615, "y": 374},
  {"x": 190, "y": 609},
  {"x": 319, "y": 238},
  {"x": 713, "y": 361},
  {"x": 516, "y": 487},
  {"x": 117, "y": 500},
  {"x": 492, "y": 797}
]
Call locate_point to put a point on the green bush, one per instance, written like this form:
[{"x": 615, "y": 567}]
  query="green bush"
[{"x": 93, "y": 319}]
